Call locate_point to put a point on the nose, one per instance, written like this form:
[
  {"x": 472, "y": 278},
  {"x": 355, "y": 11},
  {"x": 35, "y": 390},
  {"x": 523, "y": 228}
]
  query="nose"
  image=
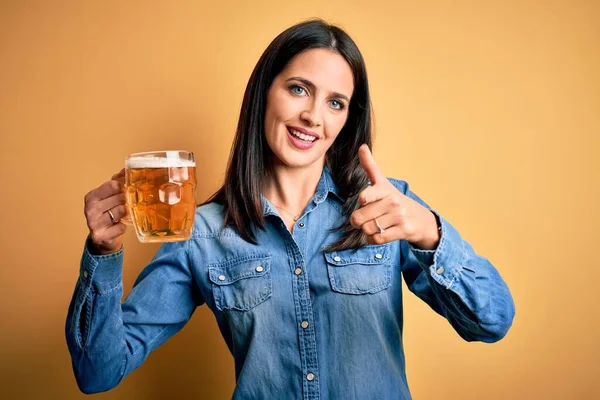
[{"x": 313, "y": 114}]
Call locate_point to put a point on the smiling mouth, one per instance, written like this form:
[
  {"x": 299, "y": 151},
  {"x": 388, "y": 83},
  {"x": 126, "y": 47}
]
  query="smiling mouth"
[{"x": 302, "y": 136}]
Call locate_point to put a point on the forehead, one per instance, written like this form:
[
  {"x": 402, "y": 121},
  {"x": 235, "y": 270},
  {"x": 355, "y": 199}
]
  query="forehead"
[{"x": 326, "y": 69}]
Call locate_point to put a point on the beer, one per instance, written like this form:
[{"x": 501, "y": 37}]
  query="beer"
[{"x": 160, "y": 190}]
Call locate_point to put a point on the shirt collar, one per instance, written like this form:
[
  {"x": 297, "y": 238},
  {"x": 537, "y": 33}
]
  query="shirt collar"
[{"x": 326, "y": 185}]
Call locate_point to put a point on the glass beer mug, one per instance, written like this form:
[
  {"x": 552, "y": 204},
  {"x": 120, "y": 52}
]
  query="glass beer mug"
[{"x": 161, "y": 195}]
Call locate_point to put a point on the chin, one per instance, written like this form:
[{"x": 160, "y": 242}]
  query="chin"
[{"x": 297, "y": 160}]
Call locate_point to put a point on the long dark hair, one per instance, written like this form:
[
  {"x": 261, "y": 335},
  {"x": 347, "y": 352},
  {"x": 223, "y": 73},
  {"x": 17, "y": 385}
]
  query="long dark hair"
[{"x": 250, "y": 158}]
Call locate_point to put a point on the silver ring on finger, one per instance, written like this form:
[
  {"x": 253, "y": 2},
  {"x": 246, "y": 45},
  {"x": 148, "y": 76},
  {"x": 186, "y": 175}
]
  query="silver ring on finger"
[
  {"x": 112, "y": 217},
  {"x": 381, "y": 230}
]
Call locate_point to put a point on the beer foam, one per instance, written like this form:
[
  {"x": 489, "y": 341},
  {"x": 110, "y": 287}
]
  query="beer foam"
[{"x": 159, "y": 162}]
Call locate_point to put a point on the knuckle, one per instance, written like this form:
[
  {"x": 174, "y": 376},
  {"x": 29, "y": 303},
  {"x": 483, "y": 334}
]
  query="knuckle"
[
  {"x": 362, "y": 198},
  {"x": 120, "y": 210},
  {"x": 89, "y": 197},
  {"x": 402, "y": 212},
  {"x": 89, "y": 219},
  {"x": 121, "y": 228},
  {"x": 365, "y": 230},
  {"x": 96, "y": 237},
  {"x": 88, "y": 208},
  {"x": 355, "y": 220},
  {"x": 395, "y": 201},
  {"x": 409, "y": 229},
  {"x": 368, "y": 229},
  {"x": 91, "y": 223}
]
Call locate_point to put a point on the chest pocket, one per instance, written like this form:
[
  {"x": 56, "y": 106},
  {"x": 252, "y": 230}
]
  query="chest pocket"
[
  {"x": 367, "y": 270},
  {"x": 241, "y": 283}
]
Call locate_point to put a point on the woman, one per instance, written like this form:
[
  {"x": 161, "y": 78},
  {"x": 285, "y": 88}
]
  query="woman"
[{"x": 300, "y": 254}]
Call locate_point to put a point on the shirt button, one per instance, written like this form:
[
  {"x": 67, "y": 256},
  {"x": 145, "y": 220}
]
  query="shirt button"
[
  {"x": 310, "y": 376},
  {"x": 304, "y": 324},
  {"x": 378, "y": 256},
  {"x": 221, "y": 277},
  {"x": 337, "y": 259},
  {"x": 85, "y": 274},
  {"x": 260, "y": 268},
  {"x": 301, "y": 225},
  {"x": 439, "y": 271},
  {"x": 298, "y": 271}
]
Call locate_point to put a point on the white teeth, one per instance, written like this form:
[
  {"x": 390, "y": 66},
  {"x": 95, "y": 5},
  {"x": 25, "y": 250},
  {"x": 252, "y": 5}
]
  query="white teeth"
[{"x": 302, "y": 136}]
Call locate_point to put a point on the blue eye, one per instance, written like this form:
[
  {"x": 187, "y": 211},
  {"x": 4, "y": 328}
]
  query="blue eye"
[
  {"x": 298, "y": 90},
  {"x": 338, "y": 105}
]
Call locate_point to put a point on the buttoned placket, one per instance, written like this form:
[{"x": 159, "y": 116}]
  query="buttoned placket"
[{"x": 296, "y": 244}]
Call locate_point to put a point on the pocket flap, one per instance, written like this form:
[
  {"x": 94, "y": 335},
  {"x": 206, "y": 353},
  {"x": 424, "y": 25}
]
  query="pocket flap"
[
  {"x": 365, "y": 255},
  {"x": 229, "y": 272}
]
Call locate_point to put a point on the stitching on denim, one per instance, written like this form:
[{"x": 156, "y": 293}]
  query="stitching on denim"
[
  {"x": 370, "y": 260},
  {"x": 77, "y": 317},
  {"x": 337, "y": 287},
  {"x": 108, "y": 291},
  {"x": 237, "y": 260},
  {"x": 88, "y": 320},
  {"x": 212, "y": 234},
  {"x": 462, "y": 307},
  {"x": 267, "y": 293},
  {"x": 264, "y": 294},
  {"x": 459, "y": 267},
  {"x": 237, "y": 277},
  {"x": 105, "y": 257}
]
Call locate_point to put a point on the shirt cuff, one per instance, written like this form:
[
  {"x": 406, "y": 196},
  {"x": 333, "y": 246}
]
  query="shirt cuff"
[
  {"x": 444, "y": 264},
  {"x": 103, "y": 272}
]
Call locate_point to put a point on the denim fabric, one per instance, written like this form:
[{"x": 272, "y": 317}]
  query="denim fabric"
[{"x": 300, "y": 323}]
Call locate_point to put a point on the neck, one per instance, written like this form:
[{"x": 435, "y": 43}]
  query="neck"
[{"x": 292, "y": 188}]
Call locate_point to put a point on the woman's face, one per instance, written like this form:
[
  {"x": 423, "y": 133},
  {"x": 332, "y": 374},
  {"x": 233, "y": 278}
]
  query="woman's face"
[{"x": 307, "y": 106}]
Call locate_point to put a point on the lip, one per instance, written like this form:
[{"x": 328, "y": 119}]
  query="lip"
[{"x": 301, "y": 144}]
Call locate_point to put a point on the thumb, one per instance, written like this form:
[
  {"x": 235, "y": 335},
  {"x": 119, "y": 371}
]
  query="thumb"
[{"x": 368, "y": 163}]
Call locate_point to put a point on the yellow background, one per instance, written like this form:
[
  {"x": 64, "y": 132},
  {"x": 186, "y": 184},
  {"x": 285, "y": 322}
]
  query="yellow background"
[{"x": 489, "y": 109}]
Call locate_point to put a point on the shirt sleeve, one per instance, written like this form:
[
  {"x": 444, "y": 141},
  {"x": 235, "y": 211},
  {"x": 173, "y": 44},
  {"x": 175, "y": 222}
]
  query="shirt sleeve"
[
  {"x": 108, "y": 339},
  {"x": 458, "y": 283}
]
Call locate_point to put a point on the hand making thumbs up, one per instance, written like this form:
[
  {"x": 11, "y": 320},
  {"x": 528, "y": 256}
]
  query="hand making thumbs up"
[{"x": 387, "y": 214}]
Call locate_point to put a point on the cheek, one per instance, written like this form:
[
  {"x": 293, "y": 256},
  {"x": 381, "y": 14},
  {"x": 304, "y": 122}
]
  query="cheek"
[
  {"x": 284, "y": 108},
  {"x": 335, "y": 124}
]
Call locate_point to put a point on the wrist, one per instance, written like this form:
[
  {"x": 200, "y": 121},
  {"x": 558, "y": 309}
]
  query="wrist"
[
  {"x": 104, "y": 250},
  {"x": 431, "y": 234}
]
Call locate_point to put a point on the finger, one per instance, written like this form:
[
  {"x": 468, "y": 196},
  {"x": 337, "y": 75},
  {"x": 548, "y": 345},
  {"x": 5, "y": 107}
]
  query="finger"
[
  {"x": 94, "y": 209},
  {"x": 105, "y": 237},
  {"x": 117, "y": 212},
  {"x": 111, "y": 202},
  {"x": 370, "y": 211},
  {"x": 386, "y": 222},
  {"x": 368, "y": 163},
  {"x": 104, "y": 191},
  {"x": 372, "y": 194},
  {"x": 392, "y": 234}
]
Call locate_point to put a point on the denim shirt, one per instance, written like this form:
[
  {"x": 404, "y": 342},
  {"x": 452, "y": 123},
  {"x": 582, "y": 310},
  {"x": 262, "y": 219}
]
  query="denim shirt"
[{"x": 301, "y": 323}]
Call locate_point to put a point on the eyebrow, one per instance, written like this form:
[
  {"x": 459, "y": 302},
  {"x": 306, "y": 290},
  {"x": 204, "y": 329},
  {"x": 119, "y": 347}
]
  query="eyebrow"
[{"x": 312, "y": 87}]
